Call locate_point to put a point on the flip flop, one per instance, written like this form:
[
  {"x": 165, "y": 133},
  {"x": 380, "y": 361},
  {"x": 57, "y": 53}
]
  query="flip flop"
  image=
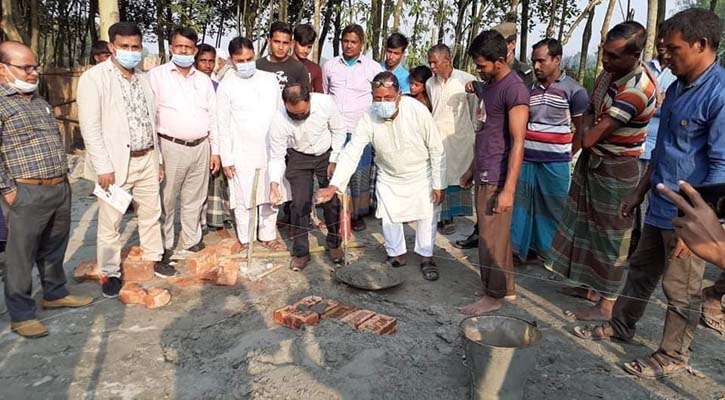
[
  {"x": 429, "y": 270},
  {"x": 652, "y": 368},
  {"x": 594, "y": 332}
]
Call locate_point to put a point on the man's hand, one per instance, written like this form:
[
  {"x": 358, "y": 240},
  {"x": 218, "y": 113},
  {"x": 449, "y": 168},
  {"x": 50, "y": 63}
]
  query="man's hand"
[
  {"x": 230, "y": 171},
  {"x": 10, "y": 197},
  {"x": 681, "y": 250},
  {"x": 632, "y": 201},
  {"x": 275, "y": 197},
  {"x": 469, "y": 87},
  {"x": 504, "y": 202},
  {"x": 162, "y": 173},
  {"x": 466, "y": 180},
  {"x": 106, "y": 180},
  {"x": 699, "y": 228},
  {"x": 331, "y": 170},
  {"x": 215, "y": 163},
  {"x": 326, "y": 194},
  {"x": 438, "y": 196}
]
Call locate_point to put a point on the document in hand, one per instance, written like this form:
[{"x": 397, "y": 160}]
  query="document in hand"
[{"x": 115, "y": 196}]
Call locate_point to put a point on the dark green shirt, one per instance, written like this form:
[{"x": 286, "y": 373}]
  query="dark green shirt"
[{"x": 524, "y": 70}]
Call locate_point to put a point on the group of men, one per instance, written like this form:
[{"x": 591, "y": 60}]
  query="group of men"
[{"x": 260, "y": 134}]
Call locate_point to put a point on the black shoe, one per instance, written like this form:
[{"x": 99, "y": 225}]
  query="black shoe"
[
  {"x": 471, "y": 242},
  {"x": 359, "y": 225},
  {"x": 197, "y": 247},
  {"x": 166, "y": 258},
  {"x": 111, "y": 287},
  {"x": 165, "y": 270}
]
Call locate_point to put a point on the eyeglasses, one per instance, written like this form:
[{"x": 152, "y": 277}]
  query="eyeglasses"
[
  {"x": 385, "y": 84},
  {"x": 27, "y": 68}
]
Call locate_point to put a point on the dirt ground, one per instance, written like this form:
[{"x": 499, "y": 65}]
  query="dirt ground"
[{"x": 220, "y": 342}]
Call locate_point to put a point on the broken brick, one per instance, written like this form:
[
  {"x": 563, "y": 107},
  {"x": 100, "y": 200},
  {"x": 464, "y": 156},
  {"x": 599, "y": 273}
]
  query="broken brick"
[
  {"x": 87, "y": 271},
  {"x": 227, "y": 273},
  {"x": 307, "y": 302},
  {"x": 132, "y": 293},
  {"x": 132, "y": 253},
  {"x": 203, "y": 263},
  {"x": 340, "y": 311},
  {"x": 290, "y": 317},
  {"x": 157, "y": 297},
  {"x": 228, "y": 246},
  {"x": 355, "y": 319},
  {"x": 185, "y": 281},
  {"x": 379, "y": 325},
  {"x": 137, "y": 271}
]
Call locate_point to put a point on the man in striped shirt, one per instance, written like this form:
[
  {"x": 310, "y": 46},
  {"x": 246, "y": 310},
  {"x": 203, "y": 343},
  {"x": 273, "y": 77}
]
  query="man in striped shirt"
[{"x": 557, "y": 102}]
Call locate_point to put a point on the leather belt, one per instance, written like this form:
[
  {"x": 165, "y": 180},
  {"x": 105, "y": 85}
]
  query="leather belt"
[
  {"x": 191, "y": 143},
  {"x": 41, "y": 181},
  {"x": 140, "y": 153}
]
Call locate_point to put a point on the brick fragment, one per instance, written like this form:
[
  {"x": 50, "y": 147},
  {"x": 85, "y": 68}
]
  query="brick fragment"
[
  {"x": 379, "y": 325},
  {"x": 132, "y": 253},
  {"x": 356, "y": 318},
  {"x": 185, "y": 281},
  {"x": 132, "y": 293},
  {"x": 340, "y": 311},
  {"x": 227, "y": 274},
  {"x": 87, "y": 271},
  {"x": 137, "y": 271},
  {"x": 307, "y": 302},
  {"x": 157, "y": 297},
  {"x": 203, "y": 263},
  {"x": 228, "y": 247},
  {"x": 290, "y": 317}
]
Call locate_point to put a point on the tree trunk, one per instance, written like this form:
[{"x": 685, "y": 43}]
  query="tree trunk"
[
  {"x": 108, "y": 10},
  {"x": 603, "y": 33},
  {"x": 661, "y": 12},
  {"x": 592, "y": 4},
  {"x": 441, "y": 21},
  {"x": 316, "y": 25},
  {"x": 8, "y": 23},
  {"x": 586, "y": 39},
  {"x": 92, "y": 11},
  {"x": 649, "y": 44},
  {"x": 160, "y": 29},
  {"x": 552, "y": 19},
  {"x": 713, "y": 5},
  {"x": 458, "y": 34},
  {"x": 35, "y": 26},
  {"x": 523, "y": 50},
  {"x": 396, "y": 15},
  {"x": 387, "y": 12},
  {"x": 331, "y": 6},
  {"x": 337, "y": 31},
  {"x": 562, "y": 20},
  {"x": 283, "y": 5},
  {"x": 376, "y": 8}
]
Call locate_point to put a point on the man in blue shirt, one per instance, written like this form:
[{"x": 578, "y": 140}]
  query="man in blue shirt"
[
  {"x": 691, "y": 147},
  {"x": 394, "y": 50}
]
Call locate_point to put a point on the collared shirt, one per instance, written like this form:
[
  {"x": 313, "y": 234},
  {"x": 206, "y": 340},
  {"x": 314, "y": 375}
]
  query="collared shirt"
[
  {"x": 402, "y": 74},
  {"x": 665, "y": 78},
  {"x": 631, "y": 101},
  {"x": 323, "y": 130},
  {"x": 30, "y": 142},
  {"x": 349, "y": 86},
  {"x": 548, "y": 133},
  {"x": 691, "y": 140},
  {"x": 140, "y": 128},
  {"x": 185, "y": 105}
]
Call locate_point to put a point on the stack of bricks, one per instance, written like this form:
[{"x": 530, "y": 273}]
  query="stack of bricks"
[{"x": 310, "y": 310}]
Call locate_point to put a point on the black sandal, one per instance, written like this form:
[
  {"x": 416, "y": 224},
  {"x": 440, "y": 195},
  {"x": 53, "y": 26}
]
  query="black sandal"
[
  {"x": 396, "y": 262},
  {"x": 429, "y": 270}
]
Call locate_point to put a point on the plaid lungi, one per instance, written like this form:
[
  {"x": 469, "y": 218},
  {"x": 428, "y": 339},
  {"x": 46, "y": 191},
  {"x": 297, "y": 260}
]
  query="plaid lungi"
[
  {"x": 458, "y": 202},
  {"x": 361, "y": 183},
  {"x": 592, "y": 241},
  {"x": 217, "y": 203}
]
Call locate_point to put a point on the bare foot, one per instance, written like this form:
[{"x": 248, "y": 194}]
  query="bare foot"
[
  {"x": 485, "y": 305},
  {"x": 582, "y": 293}
]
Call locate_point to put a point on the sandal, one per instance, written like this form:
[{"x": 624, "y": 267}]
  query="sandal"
[
  {"x": 715, "y": 323},
  {"x": 274, "y": 245},
  {"x": 654, "y": 367},
  {"x": 594, "y": 332},
  {"x": 395, "y": 262},
  {"x": 429, "y": 270}
]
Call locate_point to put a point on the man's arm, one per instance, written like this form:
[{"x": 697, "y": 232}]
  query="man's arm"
[
  {"x": 326, "y": 78},
  {"x": 223, "y": 121},
  {"x": 336, "y": 124},
  {"x": 278, "y": 149},
  {"x": 578, "y": 106},
  {"x": 436, "y": 152},
  {"x": 213, "y": 131},
  {"x": 89, "y": 118},
  {"x": 7, "y": 184},
  {"x": 716, "y": 146},
  {"x": 350, "y": 155},
  {"x": 518, "y": 118},
  {"x": 599, "y": 131}
]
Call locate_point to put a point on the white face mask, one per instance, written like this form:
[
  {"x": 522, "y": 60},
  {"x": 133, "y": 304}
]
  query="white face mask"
[
  {"x": 19, "y": 86},
  {"x": 246, "y": 70}
]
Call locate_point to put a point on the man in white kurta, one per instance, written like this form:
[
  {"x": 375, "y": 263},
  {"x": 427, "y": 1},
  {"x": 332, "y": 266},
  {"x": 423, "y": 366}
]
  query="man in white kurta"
[
  {"x": 411, "y": 166},
  {"x": 454, "y": 113},
  {"x": 247, "y": 101}
]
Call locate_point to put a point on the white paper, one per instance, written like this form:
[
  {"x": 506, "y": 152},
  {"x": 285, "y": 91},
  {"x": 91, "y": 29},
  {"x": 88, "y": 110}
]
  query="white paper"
[{"x": 115, "y": 196}]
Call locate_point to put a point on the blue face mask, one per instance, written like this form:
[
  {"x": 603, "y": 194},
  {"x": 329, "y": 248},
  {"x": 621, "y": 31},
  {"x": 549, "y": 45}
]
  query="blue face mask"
[
  {"x": 128, "y": 59},
  {"x": 246, "y": 70},
  {"x": 183, "y": 60},
  {"x": 384, "y": 109}
]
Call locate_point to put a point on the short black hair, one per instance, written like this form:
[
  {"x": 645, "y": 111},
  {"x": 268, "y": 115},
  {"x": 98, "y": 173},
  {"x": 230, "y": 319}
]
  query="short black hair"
[
  {"x": 304, "y": 34},
  {"x": 98, "y": 48},
  {"x": 695, "y": 24},
  {"x": 633, "y": 33},
  {"x": 356, "y": 29},
  {"x": 387, "y": 76},
  {"x": 293, "y": 93},
  {"x": 238, "y": 44},
  {"x": 205, "y": 48},
  {"x": 186, "y": 32},
  {"x": 396, "y": 41},
  {"x": 490, "y": 45},
  {"x": 420, "y": 74},
  {"x": 440, "y": 48},
  {"x": 553, "y": 47},
  {"x": 279, "y": 26},
  {"x": 123, "y": 28}
]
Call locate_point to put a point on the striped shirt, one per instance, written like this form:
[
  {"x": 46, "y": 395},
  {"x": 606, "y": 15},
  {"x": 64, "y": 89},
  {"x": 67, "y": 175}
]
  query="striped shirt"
[
  {"x": 548, "y": 134},
  {"x": 629, "y": 100}
]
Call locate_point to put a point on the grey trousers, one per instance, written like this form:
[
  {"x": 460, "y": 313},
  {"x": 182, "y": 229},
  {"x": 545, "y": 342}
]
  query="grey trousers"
[{"x": 38, "y": 230}]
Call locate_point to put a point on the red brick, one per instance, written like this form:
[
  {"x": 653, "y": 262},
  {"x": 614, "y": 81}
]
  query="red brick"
[
  {"x": 132, "y": 253},
  {"x": 132, "y": 293},
  {"x": 137, "y": 271},
  {"x": 87, "y": 271},
  {"x": 203, "y": 263},
  {"x": 228, "y": 246},
  {"x": 227, "y": 273},
  {"x": 288, "y": 316},
  {"x": 340, "y": 311},
  {"x": 380, "y": 325},
  {"x": 157, "y": 297},
  {"x": 185, "y": 281},
  {"x": 307, "y": 302},
  {"x": 356, "y": 318}
]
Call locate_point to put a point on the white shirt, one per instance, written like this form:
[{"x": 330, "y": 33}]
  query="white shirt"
[
  {"x": 409, "y": 156},
  {"x": 322, "y": 130}
]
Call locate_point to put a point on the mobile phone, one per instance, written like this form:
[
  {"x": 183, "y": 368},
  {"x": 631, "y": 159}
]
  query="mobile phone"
[{"x": 713, "y": 194}]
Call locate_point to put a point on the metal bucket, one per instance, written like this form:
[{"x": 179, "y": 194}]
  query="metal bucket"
[{"x": 501, "y": 353}]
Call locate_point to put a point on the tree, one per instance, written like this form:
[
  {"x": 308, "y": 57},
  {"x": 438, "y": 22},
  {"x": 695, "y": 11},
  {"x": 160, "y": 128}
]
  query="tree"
[
  {"x": 649, "y": 44},
  {"x": 108, "y": 10},
  {"x": 586, "y": 39},
  {"x": 603, "y": 32},
  {"x": 524, "y": 30},
  {"x": 8, "y": 21}
]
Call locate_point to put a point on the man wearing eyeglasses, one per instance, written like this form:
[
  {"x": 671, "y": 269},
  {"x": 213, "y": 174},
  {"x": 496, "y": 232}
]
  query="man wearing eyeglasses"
[
  {"x": 411, "y": 166},
  {"x": 35, "y": 191}
]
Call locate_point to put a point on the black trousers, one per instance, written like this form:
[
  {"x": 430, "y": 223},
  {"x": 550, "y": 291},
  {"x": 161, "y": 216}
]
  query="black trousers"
[
  {"x": 301, "y": 170},
  {"x": 38, "y": 225}
]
